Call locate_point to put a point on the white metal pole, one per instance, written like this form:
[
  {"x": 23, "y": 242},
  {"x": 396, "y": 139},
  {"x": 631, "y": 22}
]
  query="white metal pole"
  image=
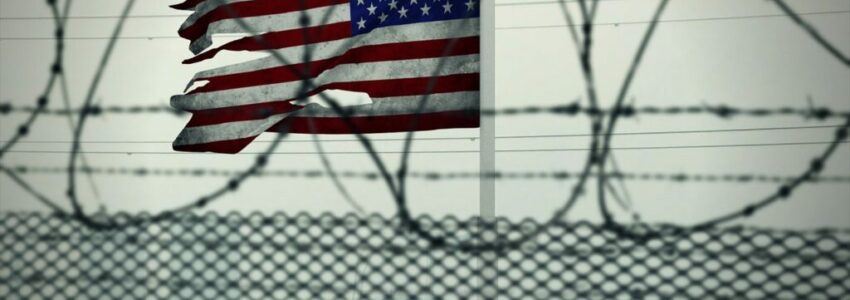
[
  {"x": 487, "y": 137},
  {"x": 487, "y": 142}
]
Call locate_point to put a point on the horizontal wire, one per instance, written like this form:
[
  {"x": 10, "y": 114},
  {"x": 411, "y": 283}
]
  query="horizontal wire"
[
  {"x": 446, "y": 151},
  {"x": 152, "y": 16},
  {"x": 429, "y": 175},
  {"x": 728, "y": 18},
  {"x": 684, "y": 20},
  {"x": 7, "y": 108},
  {"x": 530, "y": 3},
  {"x": 474, "y": 138},
  {"x": 156, "y": 16},
  {"x": 572, "y": 109}
]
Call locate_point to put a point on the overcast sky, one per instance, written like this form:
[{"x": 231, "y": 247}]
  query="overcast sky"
[{"x": 739, "y": 53}]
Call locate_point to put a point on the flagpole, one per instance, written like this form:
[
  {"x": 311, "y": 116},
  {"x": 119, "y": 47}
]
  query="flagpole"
[
  {"x": 487, "y": 135},
  {"x": 487, "y": 142}
]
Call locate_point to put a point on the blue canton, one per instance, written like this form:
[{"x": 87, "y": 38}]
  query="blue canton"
[{"x": 367, "y": 15}]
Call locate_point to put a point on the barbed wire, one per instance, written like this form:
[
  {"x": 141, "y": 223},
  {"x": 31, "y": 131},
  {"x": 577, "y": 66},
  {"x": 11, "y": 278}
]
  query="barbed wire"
[
  {"x": 231, "y": 186},
  {"x": 784, "y": 191},
  {"x": 598, "y": 154},
  {"x": 84, "y": 112},
  {"x": 77, "y": 129},
  {"x": 473, "y": 138},
  {"x": 573, "y": 109},
  {"x": 94, "y": 110},
  {"x": 680, "y": 177},
  {"x": 55, "y": 71},
  {"x": 235, "y": 181},
  {"x": 526, "y": 150}
]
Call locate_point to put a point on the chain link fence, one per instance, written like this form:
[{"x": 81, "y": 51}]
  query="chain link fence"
[{"x": 278, "y": 256}]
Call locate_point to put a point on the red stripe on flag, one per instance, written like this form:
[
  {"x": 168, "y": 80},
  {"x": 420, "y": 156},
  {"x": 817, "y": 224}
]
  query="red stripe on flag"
[
  {"x": 249, "y": 9},
  {"x": 375, "y": 88},
  {"x": 281, "y": 39},
  {"x": 382, "y": 124},
  {"x": 373, "y": 53}
]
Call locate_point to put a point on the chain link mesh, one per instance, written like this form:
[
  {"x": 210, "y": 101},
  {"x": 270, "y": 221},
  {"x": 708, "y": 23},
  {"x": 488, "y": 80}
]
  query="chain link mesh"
[{"x": 279, "y": 256}]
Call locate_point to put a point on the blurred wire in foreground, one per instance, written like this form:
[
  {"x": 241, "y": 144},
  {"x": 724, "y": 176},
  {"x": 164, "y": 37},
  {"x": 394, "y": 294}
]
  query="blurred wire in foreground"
[
  {"x": 430, "y": 175},
  {"x": 573, "y": 109}
]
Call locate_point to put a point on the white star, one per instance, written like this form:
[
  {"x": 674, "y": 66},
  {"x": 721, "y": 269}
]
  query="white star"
[
  {"x": 393, "y": 4},
  {"x": 447, "y": 8},
  {"x": 470, "y": 5},
  {"x": 360, "y": 2},
  {"x": 361, "y": 24},
  {"x": 383, "y": 17},
  {"x": 425, "y": 9},
  {"x": 371, "y": 8},
  {"x": 412, "y": 2},
  {"x": 402, "y": 13}
]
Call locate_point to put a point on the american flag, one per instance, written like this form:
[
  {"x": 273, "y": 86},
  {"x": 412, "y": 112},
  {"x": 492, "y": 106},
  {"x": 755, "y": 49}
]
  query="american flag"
[{"x": 389, "y": 49}]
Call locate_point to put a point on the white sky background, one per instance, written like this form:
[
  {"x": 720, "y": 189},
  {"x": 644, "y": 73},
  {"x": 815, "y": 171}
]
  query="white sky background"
[{"x": 747, "y": 62}]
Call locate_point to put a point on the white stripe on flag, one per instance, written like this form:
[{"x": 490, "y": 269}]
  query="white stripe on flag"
[
  {"x": 384, "y": 35},
  {"x": 456, "y": 101},
  {"x": 412, "y": 68}
]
